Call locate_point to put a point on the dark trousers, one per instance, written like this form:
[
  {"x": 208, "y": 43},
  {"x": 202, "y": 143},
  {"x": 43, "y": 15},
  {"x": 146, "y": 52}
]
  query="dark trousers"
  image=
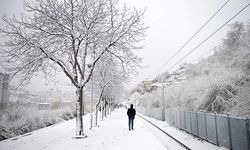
[{"x": 131, "y": 123}]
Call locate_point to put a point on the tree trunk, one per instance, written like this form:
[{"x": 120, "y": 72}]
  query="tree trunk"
[
  {"x": 96, "y": 114},
  {"x": 109, "y": 112},
  {"x": 102, "y": 109},
  {"x": 97, "y": 106},
  {"x": 79, "y": 107},
  {"x": 105, "y": 107}
]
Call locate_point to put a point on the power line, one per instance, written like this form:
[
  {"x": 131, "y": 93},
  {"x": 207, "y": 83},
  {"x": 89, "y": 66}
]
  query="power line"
[
  {"x": 209, "y": 36},
  {"x": 193, "y": 36}
]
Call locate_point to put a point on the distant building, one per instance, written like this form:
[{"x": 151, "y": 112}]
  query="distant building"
[
  {"x": 44, "y": 106},
  {"x": 4, "y": 90},
  {"x": 149, "y": 82}
]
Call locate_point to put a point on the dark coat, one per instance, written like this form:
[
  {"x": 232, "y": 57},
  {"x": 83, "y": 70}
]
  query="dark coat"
[{"x": 131, "y": 113}]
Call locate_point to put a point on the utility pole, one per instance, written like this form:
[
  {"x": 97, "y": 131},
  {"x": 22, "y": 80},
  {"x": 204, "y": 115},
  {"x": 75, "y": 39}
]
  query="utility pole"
[{"x": 163, "y": 100}]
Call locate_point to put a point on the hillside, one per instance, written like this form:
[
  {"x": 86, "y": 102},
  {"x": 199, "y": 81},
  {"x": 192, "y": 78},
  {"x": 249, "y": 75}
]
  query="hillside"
[{"x": 219, "y": 83}]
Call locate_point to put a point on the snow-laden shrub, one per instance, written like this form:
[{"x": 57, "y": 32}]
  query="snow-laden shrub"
[
  {"x": 5, "y": 133},
  {"x": 19, "y": 120},
  {"x": 219, "y": 99}
]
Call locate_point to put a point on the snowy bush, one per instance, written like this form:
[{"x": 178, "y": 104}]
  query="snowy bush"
[
  {"x": 19, "y": 120},
  {"x": 219, "y": 99}
]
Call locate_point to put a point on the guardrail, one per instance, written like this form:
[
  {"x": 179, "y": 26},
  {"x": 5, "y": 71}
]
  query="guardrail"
[{"x": 222, "y": 130}]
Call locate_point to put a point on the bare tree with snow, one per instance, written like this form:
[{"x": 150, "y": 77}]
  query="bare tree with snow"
[
  {"x": 68, "y": 36},
  {"x": 108, "y": 76}
]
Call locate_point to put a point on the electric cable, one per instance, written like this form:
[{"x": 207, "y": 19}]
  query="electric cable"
[
  {"x": 209, "y": 37},
  {"x": 182, "y": 47}
]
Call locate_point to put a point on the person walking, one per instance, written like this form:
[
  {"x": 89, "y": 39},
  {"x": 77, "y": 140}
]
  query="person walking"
[{"x": 131, "y": 116}]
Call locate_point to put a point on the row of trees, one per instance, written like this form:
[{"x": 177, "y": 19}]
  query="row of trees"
[
  {"x": 77, "y": 37},
  {"x": 107, "y": 83}
]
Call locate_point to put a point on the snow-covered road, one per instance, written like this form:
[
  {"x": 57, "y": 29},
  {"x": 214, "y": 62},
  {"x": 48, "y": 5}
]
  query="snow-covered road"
[{"x": 113, "y": 134}]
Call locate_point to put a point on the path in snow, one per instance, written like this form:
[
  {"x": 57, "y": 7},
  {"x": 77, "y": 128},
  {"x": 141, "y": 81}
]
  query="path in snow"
[{"x": 113, "y": 134}]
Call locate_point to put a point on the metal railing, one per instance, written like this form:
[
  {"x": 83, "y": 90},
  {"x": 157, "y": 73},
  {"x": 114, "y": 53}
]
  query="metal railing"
[{"x": 222, "y": 130}]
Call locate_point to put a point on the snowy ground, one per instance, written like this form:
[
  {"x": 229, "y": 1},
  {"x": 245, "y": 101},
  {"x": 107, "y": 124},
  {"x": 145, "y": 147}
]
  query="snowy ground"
[{"x": 112, "y": 134}]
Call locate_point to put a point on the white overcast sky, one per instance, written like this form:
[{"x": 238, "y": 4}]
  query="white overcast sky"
[{"x": 171, "y": 23}]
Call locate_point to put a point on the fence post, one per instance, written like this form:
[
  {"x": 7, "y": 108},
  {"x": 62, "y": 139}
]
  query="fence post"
[
  {"x": 163, "y": 114},
  {"x": 185, "y": 120},
  {"x": 180, "y": 118},
  {"x": 205, "y": 117},
  {"x": 216, "y": 130},
  {"x": 173, "y": 117},
  {"x": 197, "y": 124},
  {"x": 247, "y": 133},
  {"x": 229, "y": 132},
  {"x": 190, "y": 122},
  {"x": 176, "y": 118},
  {"x": 170, "y": 116}
]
